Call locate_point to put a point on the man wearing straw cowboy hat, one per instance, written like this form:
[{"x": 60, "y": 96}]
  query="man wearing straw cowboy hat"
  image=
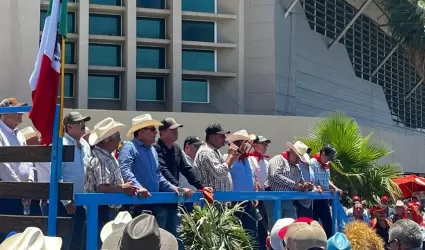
[
  {"x": 102, "y": 172},
  {"x": 138, "y": 161},
  {"x": 285, "y": 175}
]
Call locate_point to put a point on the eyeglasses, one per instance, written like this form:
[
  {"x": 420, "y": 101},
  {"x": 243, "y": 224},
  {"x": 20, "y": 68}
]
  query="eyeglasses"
[{"x": 153, "y": 129}]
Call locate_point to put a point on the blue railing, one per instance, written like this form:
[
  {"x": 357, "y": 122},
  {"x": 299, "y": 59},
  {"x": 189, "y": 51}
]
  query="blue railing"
[{"x": 93, "y": 200}]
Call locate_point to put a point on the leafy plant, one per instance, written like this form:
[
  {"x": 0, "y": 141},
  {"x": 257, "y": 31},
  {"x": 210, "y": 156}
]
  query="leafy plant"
[
  {"x": 356, "y": 167},
  {"x": 214, "y": 227}
]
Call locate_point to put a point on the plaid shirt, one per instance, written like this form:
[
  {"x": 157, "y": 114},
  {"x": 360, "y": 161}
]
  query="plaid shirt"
[
  {"x": 102, "y": 168},
  {"x": 322, "y": 175},
  {"x": 211, "y": 168},
  {"x": 283, "y": 176}
]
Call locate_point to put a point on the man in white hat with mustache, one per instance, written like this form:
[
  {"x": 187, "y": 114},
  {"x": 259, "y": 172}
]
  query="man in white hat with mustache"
[
  {"x": 138, "y": 161},
  {"x": 285, "y": 175},
  {"x": 103, "y": 174}
]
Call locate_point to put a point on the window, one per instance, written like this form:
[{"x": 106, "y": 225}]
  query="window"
[
  {"x": 195, "y": 91},
  {"x": 69, "y": 53},
  {"x": 150, "y": 88},
  {"x": 152, "y": 4},
  {"x": 198, "y": 31},
  {"x": 150, "y": 57},
  {"x": 199, "y": 5},
  {"x": 71, "y": 21},
  {"x": 100, "y": 24},
  {"x": 105, "y": 54},
  {"x": 106, "y": 2},
  {"x": 150, "y": 27},
  {"x": 104, "y": 86},
  {"x": 69, "y": 86},
  {"x": 202, "y": 60}
]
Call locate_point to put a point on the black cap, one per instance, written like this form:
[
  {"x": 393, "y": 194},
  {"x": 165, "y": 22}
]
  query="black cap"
[
  {"x": 216, "y": 128},
  {"x": 169, "y": 123},
  {"x": 261, "y": 138},
  {"x": 75, "y": 116},
  {"x": 192, "y": 140},
  {"x": 329, "y": 151}
]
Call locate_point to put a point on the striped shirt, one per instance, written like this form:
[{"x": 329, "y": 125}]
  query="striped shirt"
[
  {"x": 322, "y": 175},
  {"x": 283, "y": 176},
  {"x": 211, "y": 167}
]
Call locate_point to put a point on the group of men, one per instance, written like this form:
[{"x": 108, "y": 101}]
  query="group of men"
[{"x": 146, "y": 165}]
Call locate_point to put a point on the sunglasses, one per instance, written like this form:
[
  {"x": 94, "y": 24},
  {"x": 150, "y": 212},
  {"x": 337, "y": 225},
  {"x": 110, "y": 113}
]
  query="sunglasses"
[{"x": 153, "y": 129}]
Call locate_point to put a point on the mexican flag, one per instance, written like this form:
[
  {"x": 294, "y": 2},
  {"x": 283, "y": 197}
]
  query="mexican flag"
[{"x": 44, "y": 81}]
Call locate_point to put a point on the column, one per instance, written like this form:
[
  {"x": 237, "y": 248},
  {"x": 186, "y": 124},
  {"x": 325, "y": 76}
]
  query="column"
[
  {"x": 83, "y": 55},
  {"x": 130, "y": 50}
]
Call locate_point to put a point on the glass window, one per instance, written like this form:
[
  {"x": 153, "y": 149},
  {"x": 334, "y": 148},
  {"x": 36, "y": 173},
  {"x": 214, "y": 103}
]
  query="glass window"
[
  {"x": 199, "y": 5},
  {"x": 152, "y": 4},
  {"x": 198, "y": 31},
  {"x": 202, "y": 60},
  {"x": 150, "y": 27},
  {"x": 150, "y": 57},
  {"x": 105, "y": 54},
  {"x": 195, "y": 90},
  {"x": 71, "y": 20},
  {"x": 106, "y": 2},
  {"x": 150, "y": 88},
  {"x": 104, "y": 86},
  {"x": 69, "y": 53},
  {"x": 69, "y": 85},
  {"x": 100, "y": 24}
]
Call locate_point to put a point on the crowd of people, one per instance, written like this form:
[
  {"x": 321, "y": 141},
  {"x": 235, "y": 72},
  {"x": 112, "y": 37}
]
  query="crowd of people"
[{"x": 144, "y": 164}]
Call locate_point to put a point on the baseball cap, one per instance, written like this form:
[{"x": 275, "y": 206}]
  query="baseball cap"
[
  {"x": 216, "y": 128},
  {"x": 399, "y": 203},
  {"x": 278, "y": 232},
  {"x": 261, "y": 138},
  {"x": 304, "y": 234},
  {"x": 385, "y": 198},
  {"x": 75, "y": 116},
  {"x": 356, "y": 198},
  {"x": 12, "y": 102},
  {"x": 192, "y": 140},
  {"x": 169, "y": 123},
  {"x": 338, "y": 242}
]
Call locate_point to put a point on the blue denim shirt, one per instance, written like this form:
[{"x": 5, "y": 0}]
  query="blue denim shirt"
[
  {"x": 242, "y": 176},
  {"x": 139, "y": 165}
]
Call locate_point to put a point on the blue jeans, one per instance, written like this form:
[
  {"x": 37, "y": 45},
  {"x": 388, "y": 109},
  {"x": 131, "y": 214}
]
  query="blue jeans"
[
  {"x": 288, "y": 210},
  {"x": 76, "y": 240},
  {"x": 168, "y": 218}
]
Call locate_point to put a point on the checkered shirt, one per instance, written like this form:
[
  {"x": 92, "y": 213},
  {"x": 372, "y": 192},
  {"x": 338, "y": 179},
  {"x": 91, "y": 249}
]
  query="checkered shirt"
[
  {"x": 321, "y": 175},
  {"x": 283, "y": 176},
  {"x": 211, "y": 168},
  {"x": 102, "y": 168}
]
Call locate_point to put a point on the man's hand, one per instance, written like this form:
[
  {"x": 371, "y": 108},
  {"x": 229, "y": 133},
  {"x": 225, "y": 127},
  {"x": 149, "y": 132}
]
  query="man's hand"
[
  {"x": 143, "y": 192},
  {"x": 299, "y": 187},
  {"x": 233, "y": 150},
  {"x": 70, "y": 208},
  {"x": 244, "y": 147},
  {"x": 187, "y": 192},
  {"x": 337, "y": 190},
  {"x": 318, "y": 189},
  {"x": 127, "y": 188},
  {"x": 257, "y": 186},
  {"x": 308, "y": 186},
  {"x": 209, "y": 189}
]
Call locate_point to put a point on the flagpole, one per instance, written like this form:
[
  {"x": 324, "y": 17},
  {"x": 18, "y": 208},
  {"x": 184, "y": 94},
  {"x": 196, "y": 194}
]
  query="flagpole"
[{"x": 62, "y": 87}]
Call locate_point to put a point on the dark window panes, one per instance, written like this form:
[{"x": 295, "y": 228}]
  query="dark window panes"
[
  {"x": 71, "y": 20},
  {"x": 109, "y": 25},
  {"x": 198, "y": 31},
  {"x": 150, "y": 57},
  {"x": 195, "y": 90},
  {"x": 104, "y": 86},
  {"x": 150, "y": 88},
  {"x": 69, "y": 53},
  {"x": 199, "y": 5},
  {"x": 152, "y": 4},
  {"x": 106, "y": 2},
  {"x": 68, "y": 85},
  {"x": 202, "y": 60},
  {"x": 105, "y": 55},
  {"x": 150, "y": 27}
]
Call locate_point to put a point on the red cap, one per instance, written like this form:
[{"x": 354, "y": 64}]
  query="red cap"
[
  {"x": 384, "y": 198},
  {"x": 356, "y": 198}
]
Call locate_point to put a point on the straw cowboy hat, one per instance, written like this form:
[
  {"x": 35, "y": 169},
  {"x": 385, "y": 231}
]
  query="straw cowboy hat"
[
  {"x": 141, "y": 232},
  {"x": 300, "y": 149},
  {"x": 86, "y": 131},
  {"x": 241, "y": 135},
  {"x": 28, "y": 132},
  {"x": 142, "y": 121},
  {"x": 103, "y": 130},
  {"x": 120, "y": 220},
  {"x": 31, "y": 238}
]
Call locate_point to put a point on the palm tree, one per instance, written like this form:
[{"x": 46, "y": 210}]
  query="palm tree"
[
  {"x": 214, "y": 227},
  {"x": 406, "y": 19},
  {"x": 356, "y": 167}
]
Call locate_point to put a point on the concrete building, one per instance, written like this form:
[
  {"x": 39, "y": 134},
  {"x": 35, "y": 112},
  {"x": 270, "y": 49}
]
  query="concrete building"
[{"x": 262, "y": 57}]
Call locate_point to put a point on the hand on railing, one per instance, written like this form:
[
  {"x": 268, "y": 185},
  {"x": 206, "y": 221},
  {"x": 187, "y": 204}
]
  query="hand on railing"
[{"x": 141, "y": 192}]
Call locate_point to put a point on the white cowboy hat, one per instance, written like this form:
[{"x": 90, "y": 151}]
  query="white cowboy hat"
[
  {"x": 241, "y": 135},
  {"x": 120, "y": 220},
  {"x": 142, "y": 121},
  {"x": 86, "y": 131},
  {"x": 300, "y": 149},
  {"x": 103, "y": 130},
  {"x": 28, "y": 132},
  {"x": 31, "y": 238}
]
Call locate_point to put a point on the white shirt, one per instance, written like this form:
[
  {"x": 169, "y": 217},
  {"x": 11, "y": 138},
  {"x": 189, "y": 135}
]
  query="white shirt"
[
  {"x": 14, "y": 171},
  {"x": 43, "y": 171},
  {"x": 182, "y": 180},
  {"x": 259, "y": 168}
]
